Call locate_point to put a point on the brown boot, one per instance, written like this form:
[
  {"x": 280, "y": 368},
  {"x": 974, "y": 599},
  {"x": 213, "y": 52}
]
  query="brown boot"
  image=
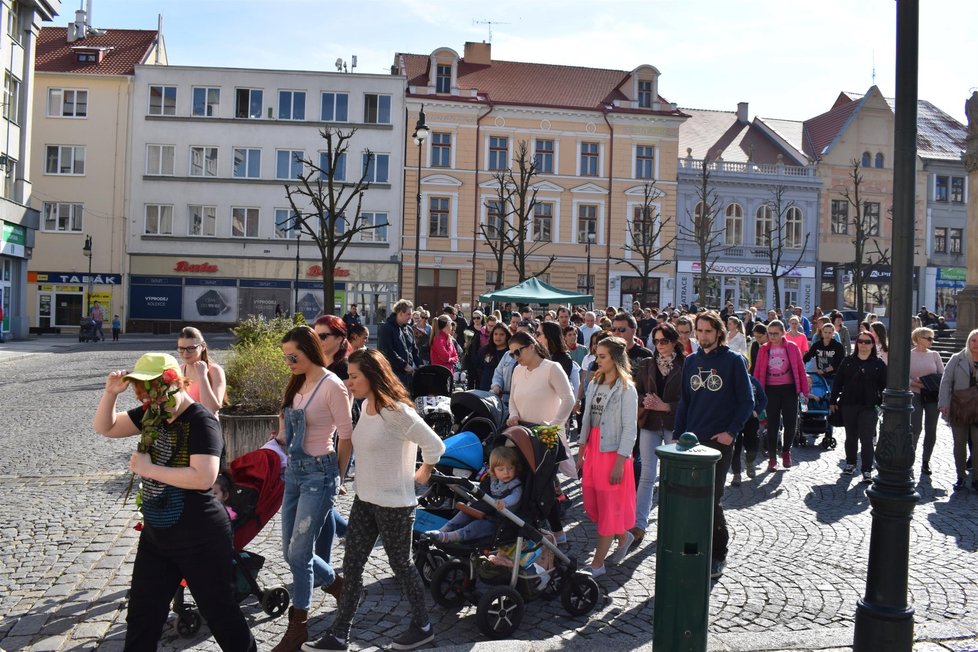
[
  {"x": 296, "y": 634},
  {"x": 336, "y": 588}
]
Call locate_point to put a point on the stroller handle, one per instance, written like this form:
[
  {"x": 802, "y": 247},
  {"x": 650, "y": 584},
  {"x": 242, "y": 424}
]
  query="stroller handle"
[{"x": 460, "y": 483}]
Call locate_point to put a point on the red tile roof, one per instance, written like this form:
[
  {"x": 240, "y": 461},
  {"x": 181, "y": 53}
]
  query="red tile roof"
[
  {"x": 821, "y": 131},
  {"x": 531, "y": 84},
  {"x": 128, "y": 48},
  {"x": 939, "y": 136}
]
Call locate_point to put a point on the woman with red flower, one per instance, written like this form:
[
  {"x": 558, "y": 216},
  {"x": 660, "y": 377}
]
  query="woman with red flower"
[{"x": 186, "y": 533}]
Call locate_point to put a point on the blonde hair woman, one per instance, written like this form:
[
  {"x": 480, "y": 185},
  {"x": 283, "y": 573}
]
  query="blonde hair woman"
[{"x": 924, "y": 362}]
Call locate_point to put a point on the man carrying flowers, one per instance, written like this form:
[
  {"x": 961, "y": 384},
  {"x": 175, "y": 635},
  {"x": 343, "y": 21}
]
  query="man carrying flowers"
[{"x": 186, "y": 534}]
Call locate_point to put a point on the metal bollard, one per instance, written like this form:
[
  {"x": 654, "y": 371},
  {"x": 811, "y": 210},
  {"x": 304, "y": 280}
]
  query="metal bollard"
[{"x": 684, "y": 549}]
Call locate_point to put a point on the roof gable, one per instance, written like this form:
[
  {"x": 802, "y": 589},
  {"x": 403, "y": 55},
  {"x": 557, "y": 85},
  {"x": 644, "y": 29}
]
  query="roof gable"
[{"x": 125, "y": 48}]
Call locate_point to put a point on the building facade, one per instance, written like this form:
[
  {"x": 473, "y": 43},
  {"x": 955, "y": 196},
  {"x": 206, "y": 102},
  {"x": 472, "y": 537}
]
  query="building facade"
[
  {"x": 597, "y": 137},
  {"x": 21, "y": 20},
  {"x": 211, "y": 231}
]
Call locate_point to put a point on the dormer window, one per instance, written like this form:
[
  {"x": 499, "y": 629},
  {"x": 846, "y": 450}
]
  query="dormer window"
[
  {"x": 90, "y": 54},
  {"x": 87, "y": 57},
  {"x": 443, "y": 78},
  {"x": 645, "y": 93}
]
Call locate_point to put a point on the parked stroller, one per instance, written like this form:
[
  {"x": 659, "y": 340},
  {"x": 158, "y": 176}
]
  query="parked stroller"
[
  {"x": 87, "y": 331},
  {"x": 256, "y": 496},
  {"x": 478, "y": 411},
  {"x": 814, "y": 414},
  {"x": 431, "y": 390},
  {"x": 500, "y": 608}
]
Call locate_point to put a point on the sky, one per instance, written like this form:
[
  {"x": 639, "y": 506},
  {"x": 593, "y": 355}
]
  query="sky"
[{"x": 788, "y": 60}]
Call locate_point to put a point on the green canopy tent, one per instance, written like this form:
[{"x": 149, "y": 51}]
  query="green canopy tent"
[{"x": 533, "y": 290}]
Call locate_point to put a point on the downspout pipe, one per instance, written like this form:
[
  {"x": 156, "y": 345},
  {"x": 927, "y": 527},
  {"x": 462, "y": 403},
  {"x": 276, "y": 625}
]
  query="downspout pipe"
[
  {"x": 607, "y": 224},
  {"x": 475, "y": 193}
]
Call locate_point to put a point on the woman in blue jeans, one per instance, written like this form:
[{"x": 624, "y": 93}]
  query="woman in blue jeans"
[{"x": 316, "y": 405}]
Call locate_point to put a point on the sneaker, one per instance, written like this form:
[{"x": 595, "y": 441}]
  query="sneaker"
[
  {"x": 595, "y": 571},
  {"x": 772, "y": 464},
  {"x": 867, "y": 476},
  {"x": 751, "y": 472},
  {"x": 414, "y": 637},
  {"x": 736, "y": 480},
  {"x": 619, "y": 555},
  {"x": 716, "y": 568},
  {"x": 786, "y": 460},
  {"x": 849, "y": 469},
  {"x": 328, "y": 642}
]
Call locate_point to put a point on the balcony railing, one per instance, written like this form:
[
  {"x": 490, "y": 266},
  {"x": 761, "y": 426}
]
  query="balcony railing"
[{"x": 748, "y": 168}]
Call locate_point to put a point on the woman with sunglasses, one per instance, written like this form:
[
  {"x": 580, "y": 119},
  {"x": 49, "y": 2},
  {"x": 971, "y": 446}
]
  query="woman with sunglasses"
[
  {"x": 316, "y": 406},
  {"x": 780, "y": 370},
  {"x": 857, "y": 391},
  {"x": 924, "y": 362},
  {"x": 331, "y": 331},
  {"x": 208, "y": 384}
]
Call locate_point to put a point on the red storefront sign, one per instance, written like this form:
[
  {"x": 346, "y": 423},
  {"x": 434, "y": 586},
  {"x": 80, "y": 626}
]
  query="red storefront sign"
[
  {"x": 317, "y": 271},
  {"x": 184, "y": 266}
]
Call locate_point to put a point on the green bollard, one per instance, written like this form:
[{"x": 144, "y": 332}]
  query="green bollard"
[{"x": 684, "y": 549}]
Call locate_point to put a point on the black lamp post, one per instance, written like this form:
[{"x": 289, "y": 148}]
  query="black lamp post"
[
  {"x": 884, "y": 619},
  {"x": 420, "y": 135},
  {"x": 298, "y": 241},
  {"x": 87, "y": 250},
  {"x": 588, "y": 243}
]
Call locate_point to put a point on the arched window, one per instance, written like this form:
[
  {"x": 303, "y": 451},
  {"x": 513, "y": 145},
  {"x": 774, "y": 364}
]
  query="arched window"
[
  {"x": 867, "y": 160},
  {"x": 763, "y": 225},
  {"x": 879, "y": 159},
  {"x": 794, "y": 227},
  {"x": 733, "y": 234}
]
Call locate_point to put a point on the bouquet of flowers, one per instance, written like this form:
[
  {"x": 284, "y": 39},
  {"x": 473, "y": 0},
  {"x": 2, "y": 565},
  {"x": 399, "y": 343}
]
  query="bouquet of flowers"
[
  {"x": 160, "y": 400},
  {"x": 547, "y": 435}
]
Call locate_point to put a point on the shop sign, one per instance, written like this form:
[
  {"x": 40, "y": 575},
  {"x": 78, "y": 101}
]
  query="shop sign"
[
  {"x": 317, "y": 271},
  {"x": 952, "y": 273},
  {"x": 194, "y": 268},
  {"x": 61, "y": 288},
  {"x": 13, "y": 238},
  {"x": 73, "y": 277},
  {"x": 744, "y": 269}
]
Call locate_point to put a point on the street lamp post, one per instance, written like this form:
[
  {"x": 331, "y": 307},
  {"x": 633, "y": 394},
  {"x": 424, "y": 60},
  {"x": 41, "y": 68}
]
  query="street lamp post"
[
  {"x": 295, "y": 301},
  {"x": 420, "y": 135},
  {"x": 590, "y": 241},
  {"x": 87, "y": 250}
]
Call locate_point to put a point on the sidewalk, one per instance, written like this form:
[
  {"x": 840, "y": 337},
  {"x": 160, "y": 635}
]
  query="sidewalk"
[{"x": 68, "y": 343}]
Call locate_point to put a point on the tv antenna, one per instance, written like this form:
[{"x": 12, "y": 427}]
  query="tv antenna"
[{"x": 490, "y": 23}]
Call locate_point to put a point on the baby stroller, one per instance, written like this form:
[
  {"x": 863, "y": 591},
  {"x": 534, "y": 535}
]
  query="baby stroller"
[
  {"x": 431, "y": 390},
  {"x": 500, "y": 608},
  {"x": 814, "y": 414},
  {"x": 87, "y": 331},
  {"x": 255, "y": 497},
  {"x": 478, "y": 411}
]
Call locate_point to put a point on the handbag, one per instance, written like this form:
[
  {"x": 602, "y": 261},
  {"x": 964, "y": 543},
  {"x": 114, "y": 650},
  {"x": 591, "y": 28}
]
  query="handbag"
[
  {"x": 835, "y": 418},
  {"x": 931, "y": 386},
  {"x": 964, "y": 406}
]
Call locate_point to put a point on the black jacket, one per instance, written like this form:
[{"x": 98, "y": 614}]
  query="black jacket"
[
  {"x": 859, "y": 382},
  {"x": 826, "y": 355},
  {"x": 397, "y": 344},
  {"x": 645, "y": 377}
]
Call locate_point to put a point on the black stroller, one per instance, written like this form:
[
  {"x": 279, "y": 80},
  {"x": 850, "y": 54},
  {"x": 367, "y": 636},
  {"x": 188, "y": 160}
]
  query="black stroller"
[
  {"x": 431, "y": 390},
  {"x": 499, "y": 610},
  {"x": 87, "y": 331},
  {"x": 478, "y": 411}
]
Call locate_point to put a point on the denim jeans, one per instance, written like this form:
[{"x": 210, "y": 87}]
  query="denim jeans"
[
  {"x": 335, "y": 526},
  {"x": 648, "y": 441}
]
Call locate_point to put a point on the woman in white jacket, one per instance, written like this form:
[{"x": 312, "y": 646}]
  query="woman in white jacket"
[
  {"x": 736, "y": 340},
  {"x": 960, "y": 373}
]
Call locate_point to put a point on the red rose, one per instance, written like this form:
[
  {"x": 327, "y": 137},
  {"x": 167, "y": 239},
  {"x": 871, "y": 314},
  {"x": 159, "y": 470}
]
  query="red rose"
[
  {"x": 169, "y": 376},
  {"x": 146, "y": 403},
  {"x": 138, "y": 527}
]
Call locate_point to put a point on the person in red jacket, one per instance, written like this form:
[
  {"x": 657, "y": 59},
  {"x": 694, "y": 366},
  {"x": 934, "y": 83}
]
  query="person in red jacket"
[
  {"x": 443, "y": 351},
  {"x": 781, "y": 372}
]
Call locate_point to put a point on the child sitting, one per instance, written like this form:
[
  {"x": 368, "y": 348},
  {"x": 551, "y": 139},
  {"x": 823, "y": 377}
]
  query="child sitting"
[
  {"x": 222, "y": 489},
  {"x": 505, "y": 486}
]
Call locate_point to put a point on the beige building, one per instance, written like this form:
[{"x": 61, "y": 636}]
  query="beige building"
[
  {"x": 81, "y": 165},
  {"x": 597, "y": 136}
]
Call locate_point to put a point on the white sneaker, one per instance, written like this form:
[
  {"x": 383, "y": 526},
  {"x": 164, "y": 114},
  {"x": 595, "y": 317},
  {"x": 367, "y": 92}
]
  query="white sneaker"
[
  {"x": 619, "y": 555},
  {"x": 595, "y": 572}
]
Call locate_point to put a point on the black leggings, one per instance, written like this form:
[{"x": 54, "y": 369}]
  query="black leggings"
[
  {"x": 746, "y": 441},
  {"x": 782, "y": 407},
  {"x": 860, "y": 422}
]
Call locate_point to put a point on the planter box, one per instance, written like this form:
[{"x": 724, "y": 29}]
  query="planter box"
[{"x": 245, "y": 433}]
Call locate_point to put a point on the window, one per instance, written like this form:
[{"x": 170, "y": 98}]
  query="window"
[
  {"x": 940, "y": 240},
  {"x": 65, "y": 159},
  {"x": 244, "y": 222},
  {"x": 957, "y": 190},
  {"x": 544, "y": 156},
  {"x": 377, "y": 234},
  {"x": 291, "y": 105},
  {"x": 645, "y": 94},
  {"x": 288, "y": 163},
  {"x": 643, "y": 227},
  {"x": 793, "y": 228},
  {"x": 443, "y": 79},
  {"x": 955, "y": 243},
  {"x": 494, "y": 219},
  {"x": 203, "y": 161},
  {"x": 879, "y": 159},
  {"x": 840, "y": 216},
  {"x": 335, "y": 107},
  {"x": 377, "y": 109},
  {"x": 87, "y": 56},
  {"x": 764, "y": 225},
  {"x": 587, "y": 222},
  {"x": 11, "y": 98},
  {"x": 438, "y": 215},
  {"x": 941, "y": 188},
  {"x": 491, "y": 278},
  {"x": 441, "y": 150},
  {"x": 644, "y": 162},
  {"x": 589, "y": 159},
  {"x": 498, "y": 153},
  {"x": 67, "y": 103},
  {"x": 63, "y": 217},
  {"x": 159, "y": 219},
  {"x": 585, "y": 283},
  {"x": 247, "y": 103},
  {"x": 247, "y": 163},
  {"x": 203, "y": 221},
  {"x": 871, "y": 217},
  {"x": 285, "y": 223},
  {"x": 206, "y": 102},
  {"x": 867, "y": 160},
  {"x": 733, "y": 233},
  {"x": 339, "y": 174},
  {"x": 162, "y": 100},
  {"x": 543, "y": 222},
  {"x": 376, "y": 167},
  {"x": 159, "y": 160},
  {"x": 9, "y": 172},
  {"x": 13, "y": 22}
]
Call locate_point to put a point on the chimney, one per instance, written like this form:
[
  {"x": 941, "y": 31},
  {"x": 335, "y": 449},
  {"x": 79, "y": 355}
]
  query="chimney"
[
  {"x": 742, "y": 113},
  {"x": 478, "y": 53},
  {"x": 76, "y": 30}
]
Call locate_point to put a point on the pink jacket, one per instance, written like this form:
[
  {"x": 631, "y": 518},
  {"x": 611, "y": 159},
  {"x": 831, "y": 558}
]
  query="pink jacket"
[
  {"x": 794, "y": 359},
  {"x": 443, "y": 351}
]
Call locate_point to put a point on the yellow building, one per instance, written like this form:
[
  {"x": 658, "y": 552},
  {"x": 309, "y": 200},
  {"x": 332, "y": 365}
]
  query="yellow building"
[
  {"x": 598, "y": 136},
  {"x": 80, "y": 166}
]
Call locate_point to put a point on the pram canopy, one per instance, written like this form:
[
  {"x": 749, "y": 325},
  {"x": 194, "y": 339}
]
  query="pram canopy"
[
  {"x": 541, "y": 461},
  {"x": 257, "y": 493},
  {"x": 478, "y": 404},
  {"x": 431, "y": 380}
]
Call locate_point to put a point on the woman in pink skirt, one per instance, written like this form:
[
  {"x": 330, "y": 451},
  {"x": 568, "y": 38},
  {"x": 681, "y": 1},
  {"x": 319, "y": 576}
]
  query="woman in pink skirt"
[{"x": 608, "y": 430}]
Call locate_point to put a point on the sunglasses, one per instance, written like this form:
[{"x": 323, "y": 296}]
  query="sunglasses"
[
  {"x": 517, "y": 352},
  {"x": 324, "y": 336},
  {"x": 620, "y": 329},
  {"x": 188, "y": 349},
  {"x": 929, "y": 339},
  {"x": 290, "y": 357},
  {"x": 657, "y": 341},
  {"x": 864, "y": 341}
]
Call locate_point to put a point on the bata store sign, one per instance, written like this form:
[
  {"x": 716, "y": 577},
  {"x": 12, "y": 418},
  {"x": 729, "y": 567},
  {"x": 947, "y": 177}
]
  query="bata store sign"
[
  {"x": 195, "y": 268},
  {"x": 316, "y": 271}
]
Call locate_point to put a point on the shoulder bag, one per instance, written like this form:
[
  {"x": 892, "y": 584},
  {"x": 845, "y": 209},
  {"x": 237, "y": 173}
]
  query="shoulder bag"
[{"x": 964, "y": 404}]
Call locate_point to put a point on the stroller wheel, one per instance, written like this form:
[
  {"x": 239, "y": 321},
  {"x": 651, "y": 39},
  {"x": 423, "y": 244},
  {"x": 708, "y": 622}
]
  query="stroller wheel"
[
  {"x": 500, "y": 612},
  {"x": 451, "y": 584},
  {"x": 188, "y": 622},
  {"x": 275, "y": 601},
  {"x": 428, "y": 562},
  {"x": 579, "y": 594}
]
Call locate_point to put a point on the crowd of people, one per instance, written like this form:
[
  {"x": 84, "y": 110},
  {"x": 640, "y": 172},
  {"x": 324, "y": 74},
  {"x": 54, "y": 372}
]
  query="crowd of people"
[{"x": 620, "y": 382}]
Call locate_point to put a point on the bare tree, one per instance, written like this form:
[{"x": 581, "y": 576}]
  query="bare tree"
[
  {"x": 524, "y": 238},
  {"x": 644, "y": 237},
  {"x": 777, "y": 235},
  {"x": 497, "y": 231},
  {"x": 703, "y": 231},
  {"x": 866, "y": 231},
  {"x": 321, "y": 204}
]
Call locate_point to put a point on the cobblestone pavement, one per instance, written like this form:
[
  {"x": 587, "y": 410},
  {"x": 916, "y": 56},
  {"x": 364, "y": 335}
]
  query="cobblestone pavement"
[{"x": 796, "y": 567}]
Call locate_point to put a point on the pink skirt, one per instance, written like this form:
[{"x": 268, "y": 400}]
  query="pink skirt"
[{"x": 610, "y": 506}]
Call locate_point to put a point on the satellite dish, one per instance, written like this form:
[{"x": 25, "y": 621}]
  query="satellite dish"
[{"x": 339, "y": 65}]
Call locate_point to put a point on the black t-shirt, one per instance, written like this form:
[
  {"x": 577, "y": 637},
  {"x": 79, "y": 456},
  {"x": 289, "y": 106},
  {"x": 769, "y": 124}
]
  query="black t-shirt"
[
  {"x": 565, "y": 362},
  {"x": 341, "y": 369},
  {"x": 173, "y": 513}
]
